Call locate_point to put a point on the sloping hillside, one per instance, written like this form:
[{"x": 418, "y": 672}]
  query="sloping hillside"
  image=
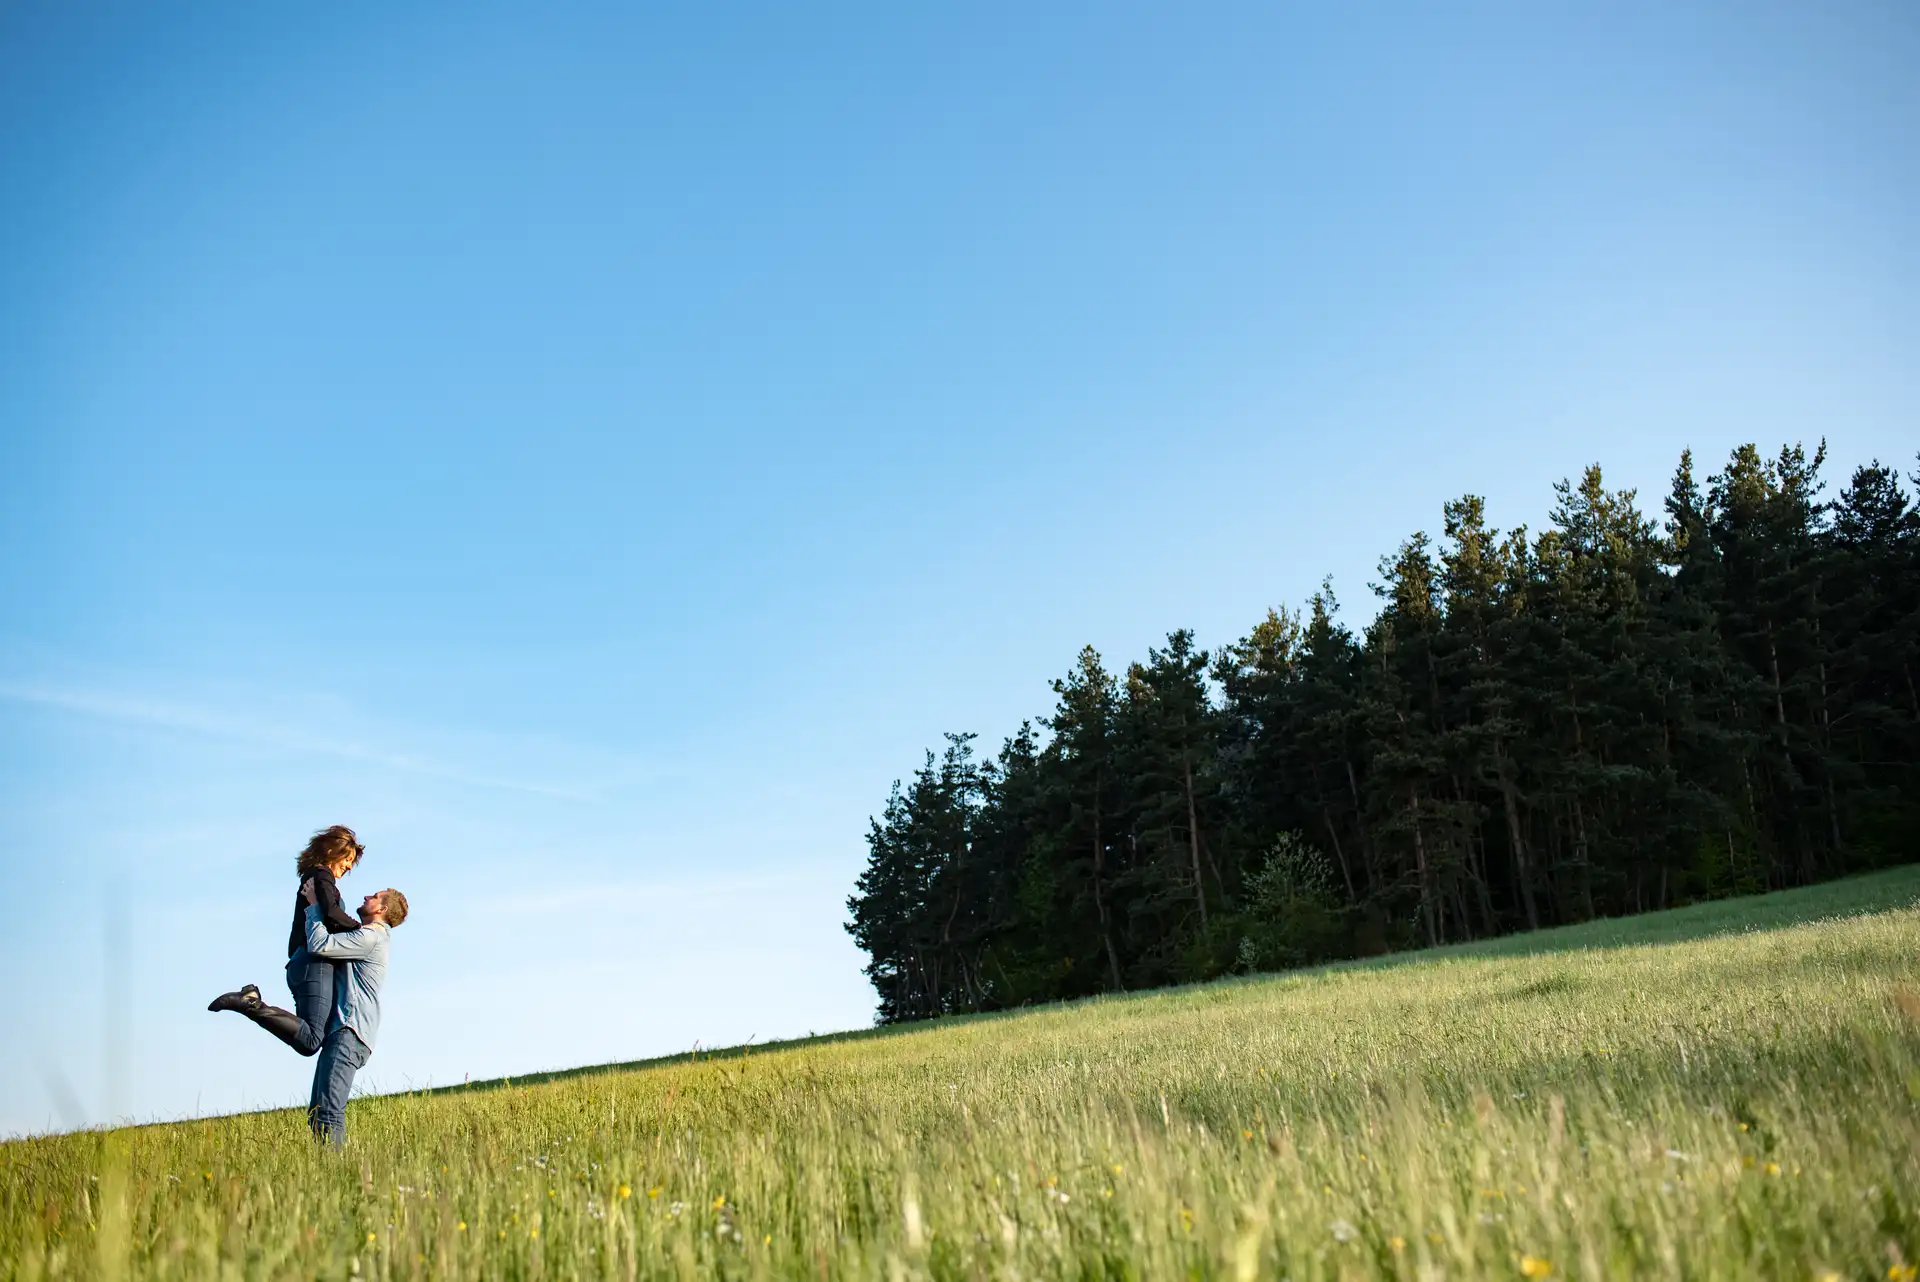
[{"x": 1728, "y": 1091}]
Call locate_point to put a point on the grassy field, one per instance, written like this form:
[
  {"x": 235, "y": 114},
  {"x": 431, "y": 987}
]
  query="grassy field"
[{"x": 1730, "y": 1091}]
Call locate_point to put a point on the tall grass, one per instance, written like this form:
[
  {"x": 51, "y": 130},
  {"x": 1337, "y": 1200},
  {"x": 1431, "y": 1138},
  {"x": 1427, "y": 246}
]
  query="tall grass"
[{"x": 1730, "y": 1106}]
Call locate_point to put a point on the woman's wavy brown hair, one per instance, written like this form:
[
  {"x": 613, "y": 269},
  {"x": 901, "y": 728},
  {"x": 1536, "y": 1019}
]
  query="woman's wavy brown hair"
[{"x": 326, "y": 848}]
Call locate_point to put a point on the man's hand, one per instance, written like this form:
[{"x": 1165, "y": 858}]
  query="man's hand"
[{"x": 306, "y": 892}]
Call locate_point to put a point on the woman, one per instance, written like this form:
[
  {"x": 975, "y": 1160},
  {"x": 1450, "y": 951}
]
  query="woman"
[{"x": 331, "y": 854}]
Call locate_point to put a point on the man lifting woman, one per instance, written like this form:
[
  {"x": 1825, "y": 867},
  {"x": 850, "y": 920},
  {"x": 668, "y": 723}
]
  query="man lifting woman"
[{"x": 336, "y": 966}]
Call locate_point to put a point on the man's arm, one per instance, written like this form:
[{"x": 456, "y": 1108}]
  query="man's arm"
[{"x": 351, "y": 945}]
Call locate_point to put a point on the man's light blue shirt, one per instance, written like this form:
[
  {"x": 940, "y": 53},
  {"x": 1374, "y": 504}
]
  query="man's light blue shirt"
[{"x": 356, "y": 993}]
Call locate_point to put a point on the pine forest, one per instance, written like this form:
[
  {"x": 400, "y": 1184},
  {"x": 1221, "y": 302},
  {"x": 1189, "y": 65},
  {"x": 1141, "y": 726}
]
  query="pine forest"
[{"x": 1616, "y": 714}]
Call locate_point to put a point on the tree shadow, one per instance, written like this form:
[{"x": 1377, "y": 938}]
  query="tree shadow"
[{"x": 1874, "y": 892}]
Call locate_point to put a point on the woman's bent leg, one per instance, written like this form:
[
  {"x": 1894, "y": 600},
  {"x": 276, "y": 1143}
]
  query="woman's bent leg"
[{"x": 311, "y": 981}]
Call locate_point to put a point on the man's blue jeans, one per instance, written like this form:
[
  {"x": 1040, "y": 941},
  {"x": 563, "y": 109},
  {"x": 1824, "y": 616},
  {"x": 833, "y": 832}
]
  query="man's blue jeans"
[{"x": 340, "y": 1059}]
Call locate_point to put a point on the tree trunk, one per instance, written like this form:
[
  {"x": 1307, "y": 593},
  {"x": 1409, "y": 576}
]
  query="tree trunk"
[
  {"x": 1779, "y": 696},
  {"x": 1753, "y": 822},
  {"x": 1099, "y": 894},
  {"x": 1360, "y": 824},
  {"x": 1193, "y": 841},
  {"x": 1345, "y": 874},
  {"x": 1583, "y": 858},
  {"x": 1476, "y": 868},
  {"x": 1521, "y": 872},
  {"x": 1420, "y": 865},
  {"x": 1833, "y": 820}
]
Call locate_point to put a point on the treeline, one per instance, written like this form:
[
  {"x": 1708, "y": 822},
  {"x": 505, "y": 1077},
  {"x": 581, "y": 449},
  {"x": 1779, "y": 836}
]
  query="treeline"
[{"x": 1613, "y": 715}]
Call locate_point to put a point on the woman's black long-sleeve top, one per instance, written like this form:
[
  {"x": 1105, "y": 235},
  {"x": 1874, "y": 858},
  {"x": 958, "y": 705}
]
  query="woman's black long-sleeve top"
[{"x": 326, "y": 895}]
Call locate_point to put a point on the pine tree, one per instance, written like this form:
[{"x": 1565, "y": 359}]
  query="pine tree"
[
  {"x": 1086, "y": 783},
  {"x": 1167, "y": 750}
]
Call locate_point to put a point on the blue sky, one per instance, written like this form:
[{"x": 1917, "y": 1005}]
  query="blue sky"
[{"x": 593, "y": 452}]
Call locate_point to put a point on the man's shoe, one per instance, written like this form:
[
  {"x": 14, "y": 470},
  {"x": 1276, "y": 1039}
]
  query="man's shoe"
[{"x": 247, "y": 999}]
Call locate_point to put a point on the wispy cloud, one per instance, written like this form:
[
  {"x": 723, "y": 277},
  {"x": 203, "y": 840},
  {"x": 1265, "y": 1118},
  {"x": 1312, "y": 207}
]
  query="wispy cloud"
[{"x": 191, "y": 719}]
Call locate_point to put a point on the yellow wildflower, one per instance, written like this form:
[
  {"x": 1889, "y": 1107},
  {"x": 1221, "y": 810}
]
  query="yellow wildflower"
[
  {"x": 654, "y": 1191},
  {"x": 1535, "y": 1267},
  {"x": 1398, "y": 1243},
  {"x": 720, "y": 1201},
  {"x": 625, "y": 1191}
]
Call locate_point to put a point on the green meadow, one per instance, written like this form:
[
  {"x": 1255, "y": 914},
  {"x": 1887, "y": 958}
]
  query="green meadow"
[{"x": 1725, "y": 1091}]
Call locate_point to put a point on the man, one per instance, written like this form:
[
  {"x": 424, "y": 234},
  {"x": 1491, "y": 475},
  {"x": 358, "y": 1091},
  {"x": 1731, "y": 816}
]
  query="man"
[{"x": 356, "y": 1004}]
